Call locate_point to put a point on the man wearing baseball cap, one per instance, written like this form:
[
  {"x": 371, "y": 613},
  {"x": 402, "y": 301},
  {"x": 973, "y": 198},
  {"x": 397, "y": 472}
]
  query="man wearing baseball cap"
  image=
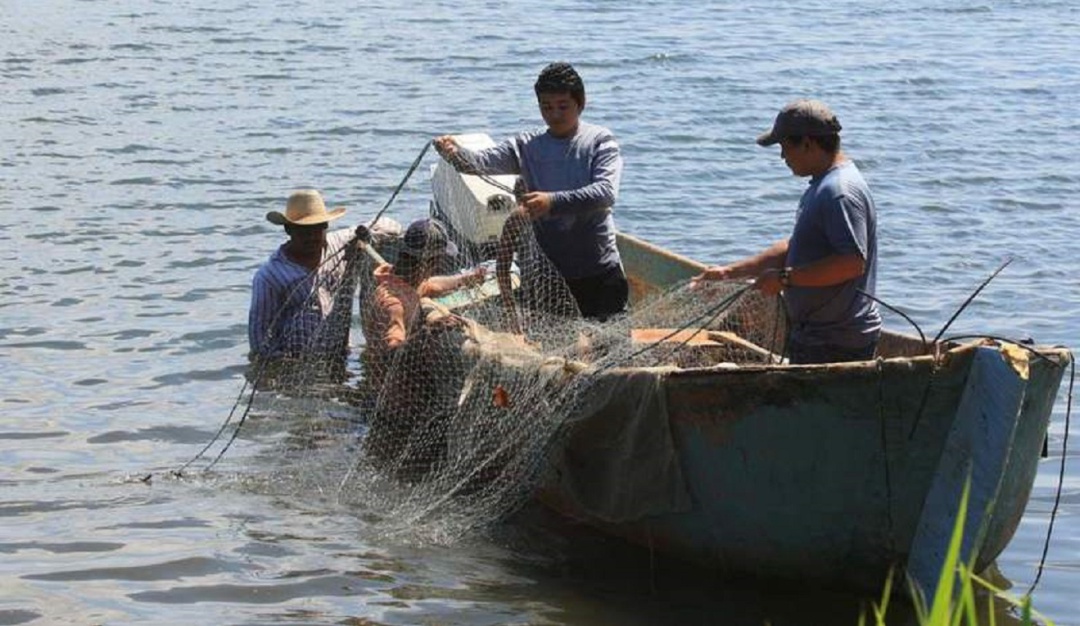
[
  {"x": 829, "y": 263},
  {"x": 394, "y": 309},
  {"x": 410, "y": 347}
]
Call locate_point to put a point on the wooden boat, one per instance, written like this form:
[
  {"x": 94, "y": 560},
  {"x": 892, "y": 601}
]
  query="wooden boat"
[
  {"x": 830, "y": 474},
  {"x": 826, "y": 473}
]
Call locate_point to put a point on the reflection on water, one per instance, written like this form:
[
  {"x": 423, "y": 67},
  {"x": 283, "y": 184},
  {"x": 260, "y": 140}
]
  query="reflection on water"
[{"x": 145, "y": 142}]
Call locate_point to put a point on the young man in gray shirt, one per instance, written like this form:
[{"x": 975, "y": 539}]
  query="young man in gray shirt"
[
  {"x": 829, "y": 262},
  {"x": 571, "y": 171}
]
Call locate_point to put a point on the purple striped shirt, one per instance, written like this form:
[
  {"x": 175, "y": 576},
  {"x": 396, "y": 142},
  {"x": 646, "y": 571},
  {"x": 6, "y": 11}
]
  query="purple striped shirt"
[{"x": 298, "y": 312}]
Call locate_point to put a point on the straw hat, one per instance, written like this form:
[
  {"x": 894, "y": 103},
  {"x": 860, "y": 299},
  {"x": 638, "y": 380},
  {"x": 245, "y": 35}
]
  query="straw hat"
[{"x": 304, "y": 208}]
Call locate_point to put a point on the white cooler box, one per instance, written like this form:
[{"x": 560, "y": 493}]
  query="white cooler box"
[{"x": 462, "y": 201}]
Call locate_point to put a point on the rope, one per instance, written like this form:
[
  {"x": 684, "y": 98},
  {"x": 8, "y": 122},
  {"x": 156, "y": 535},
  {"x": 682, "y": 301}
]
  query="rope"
[
  {"x": 781, "y": 308},
  {"x": 970, "y": 298},
  {"x": 460, "y": 164},
  {"x": 880, "y": 365},
  {"x": 1061, "y": 482},
  {"x": 712, "y": 313},
  {"x": 926, "y": 346},
  {"x": 180, "y": 471},
  {"x": 401, "y": 185},
  {"x": 937, "y": 338}
]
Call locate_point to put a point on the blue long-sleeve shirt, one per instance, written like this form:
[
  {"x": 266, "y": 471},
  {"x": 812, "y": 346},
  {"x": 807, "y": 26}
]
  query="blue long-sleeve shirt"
[{"x": 582, "y": 174}]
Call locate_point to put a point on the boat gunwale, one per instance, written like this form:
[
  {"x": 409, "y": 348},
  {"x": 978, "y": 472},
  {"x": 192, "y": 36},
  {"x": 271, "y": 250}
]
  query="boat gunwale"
[{"x": 1059, "y": 356}]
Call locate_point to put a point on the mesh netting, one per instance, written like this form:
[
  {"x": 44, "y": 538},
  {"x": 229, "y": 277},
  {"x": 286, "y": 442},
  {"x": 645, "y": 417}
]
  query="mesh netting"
[{"x": 456, "y": 427}]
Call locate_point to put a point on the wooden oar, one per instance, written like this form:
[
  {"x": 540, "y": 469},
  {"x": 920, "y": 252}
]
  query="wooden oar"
[{"x": 363, "y": 237}]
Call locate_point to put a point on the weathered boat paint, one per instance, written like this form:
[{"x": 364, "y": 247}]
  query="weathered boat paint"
[
  {"x": 834, "y": 474},
  {"x": 838, "y": 473}
]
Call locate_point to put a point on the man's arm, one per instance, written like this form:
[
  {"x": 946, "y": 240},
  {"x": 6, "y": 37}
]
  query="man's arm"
[
  {"x": 509, "y": 240},
  {"x": 845, "y": 225},
  {"x": 397, "y": 328},
  {"x": 436, "y": 286},
  {"x": 832, "y": 270},
  {"x": 605, "y": 171},
  {"x": 499, "y": 159},
  {"x": 265, "y": 305},
  {"x": 772, "y": 258}
]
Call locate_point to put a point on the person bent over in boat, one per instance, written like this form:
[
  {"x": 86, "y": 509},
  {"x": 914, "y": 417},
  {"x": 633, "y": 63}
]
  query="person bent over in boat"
[
  {"x": 394, "y": 311},
  {"x": 412, "y": 359},
  {"x": 301, "y": 297},
  {"x": 571, "y": 170},
  {"x": 829, "y": 263}
]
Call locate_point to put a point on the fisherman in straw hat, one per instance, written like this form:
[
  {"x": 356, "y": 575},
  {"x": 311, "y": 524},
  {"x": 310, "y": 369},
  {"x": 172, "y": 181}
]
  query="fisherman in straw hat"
[{"x": 301, "y": 297}]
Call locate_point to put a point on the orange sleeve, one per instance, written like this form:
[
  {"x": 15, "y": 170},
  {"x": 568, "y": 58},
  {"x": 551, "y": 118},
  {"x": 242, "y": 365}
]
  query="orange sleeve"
[{"x": 396, "y": 330}]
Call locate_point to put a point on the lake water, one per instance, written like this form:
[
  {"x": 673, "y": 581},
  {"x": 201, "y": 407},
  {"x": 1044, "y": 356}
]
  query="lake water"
[{"x": 144, "y": 142}]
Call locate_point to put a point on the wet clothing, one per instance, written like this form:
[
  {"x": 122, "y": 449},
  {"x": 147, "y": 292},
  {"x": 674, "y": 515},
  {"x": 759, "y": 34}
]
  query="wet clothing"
[
  {"x": 296, "y": 312},
  {"x": 836, "y": 216}
]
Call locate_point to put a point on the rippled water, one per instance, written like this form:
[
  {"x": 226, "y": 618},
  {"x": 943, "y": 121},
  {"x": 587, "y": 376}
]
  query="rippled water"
[{"x": 144, "y": 141}]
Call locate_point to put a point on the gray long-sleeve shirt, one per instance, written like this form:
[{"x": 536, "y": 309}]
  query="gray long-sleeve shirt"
[{"x": 582, "y": 173}]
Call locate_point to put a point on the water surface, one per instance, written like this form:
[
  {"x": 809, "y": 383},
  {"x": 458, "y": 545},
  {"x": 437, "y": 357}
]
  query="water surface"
[{"x": 145, "y": 141}]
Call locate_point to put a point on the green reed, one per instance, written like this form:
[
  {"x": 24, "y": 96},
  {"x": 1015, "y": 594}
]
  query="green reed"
[{"x": 955, "y": 602}]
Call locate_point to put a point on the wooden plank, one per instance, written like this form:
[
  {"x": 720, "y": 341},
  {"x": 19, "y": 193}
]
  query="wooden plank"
[{"x": 687, "y": 336}]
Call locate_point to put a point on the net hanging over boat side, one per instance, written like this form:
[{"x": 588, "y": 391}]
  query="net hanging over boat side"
[
  {"x": 455, "y": 427},
  {"x": 467, "y": 416}
]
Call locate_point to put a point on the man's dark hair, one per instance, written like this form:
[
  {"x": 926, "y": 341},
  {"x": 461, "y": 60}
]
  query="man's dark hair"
[
  {"x": 828, "y": 143},
  {"x": 561, "y": 77}
]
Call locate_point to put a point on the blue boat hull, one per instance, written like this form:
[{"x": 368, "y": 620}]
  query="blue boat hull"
[{"x": 834, "y": 474}]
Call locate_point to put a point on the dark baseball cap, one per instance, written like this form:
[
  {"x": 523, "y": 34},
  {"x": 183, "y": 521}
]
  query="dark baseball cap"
[
  {"x": 426, "y": 239},
  {"x": 802, "y": 118}
]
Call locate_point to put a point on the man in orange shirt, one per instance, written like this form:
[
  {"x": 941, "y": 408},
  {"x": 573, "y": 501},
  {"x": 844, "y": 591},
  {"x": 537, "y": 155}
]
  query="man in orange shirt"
[
  {"x": 406, "y": 431},
  {"x": 394, "y": 308}
]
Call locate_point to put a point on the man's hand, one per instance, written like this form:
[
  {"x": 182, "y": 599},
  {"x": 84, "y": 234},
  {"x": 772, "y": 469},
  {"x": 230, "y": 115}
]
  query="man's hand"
[
  {"x": 446, "y": 146},
  {"x": 537, "y": 204},
  {"x": 475, "y": 278},
  {"x": 714, "y": 273},
  {"x": 442, "y": 320},
  {"x": 768, "y": 282},
  {"x": 382, "y": 272}
]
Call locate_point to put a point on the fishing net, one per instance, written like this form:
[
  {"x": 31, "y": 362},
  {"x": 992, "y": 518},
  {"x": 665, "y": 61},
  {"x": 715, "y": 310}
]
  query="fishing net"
[{"x": 475, "y": 411}]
